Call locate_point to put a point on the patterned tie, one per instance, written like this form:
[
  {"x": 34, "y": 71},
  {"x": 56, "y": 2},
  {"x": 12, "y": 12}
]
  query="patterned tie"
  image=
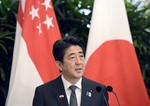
[{"x": 73, "y": 99}]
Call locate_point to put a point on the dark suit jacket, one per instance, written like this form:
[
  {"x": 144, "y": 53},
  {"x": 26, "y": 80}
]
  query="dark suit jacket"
[{"x": 53, "y": 94}]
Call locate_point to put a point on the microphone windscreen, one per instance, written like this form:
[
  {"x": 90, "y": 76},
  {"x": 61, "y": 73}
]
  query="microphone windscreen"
[
  {"x": 98, "y": 88},
  {"x": 109, "y": 88}
]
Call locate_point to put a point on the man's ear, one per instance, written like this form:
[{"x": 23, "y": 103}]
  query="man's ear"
[{"x": 59, "y": 65}]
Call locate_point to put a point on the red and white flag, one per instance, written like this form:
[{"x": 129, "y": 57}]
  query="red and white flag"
[
  {"x": 33, "y": 62},
  {"x": 111, "y": 57}
]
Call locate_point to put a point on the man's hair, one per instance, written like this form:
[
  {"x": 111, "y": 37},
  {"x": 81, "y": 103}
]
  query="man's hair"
[{"x": 61, "y": 45}]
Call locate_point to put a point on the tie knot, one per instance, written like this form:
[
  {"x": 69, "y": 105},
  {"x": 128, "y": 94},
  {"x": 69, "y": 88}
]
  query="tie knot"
[{"x": 73, "y": 88}]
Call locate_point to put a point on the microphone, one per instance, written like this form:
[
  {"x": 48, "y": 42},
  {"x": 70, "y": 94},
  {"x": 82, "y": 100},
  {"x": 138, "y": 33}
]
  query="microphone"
[
  {"x": 99, "y": 89},
  {"x": 110, "y": 89}
]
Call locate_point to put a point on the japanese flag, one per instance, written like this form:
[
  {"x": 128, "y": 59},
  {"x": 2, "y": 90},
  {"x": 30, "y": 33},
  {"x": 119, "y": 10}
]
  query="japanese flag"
[{"x": 111, "y": 57}]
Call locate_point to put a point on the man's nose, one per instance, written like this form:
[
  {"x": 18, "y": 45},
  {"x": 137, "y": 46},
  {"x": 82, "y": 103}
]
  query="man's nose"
[{"x": 78, "y": 60}]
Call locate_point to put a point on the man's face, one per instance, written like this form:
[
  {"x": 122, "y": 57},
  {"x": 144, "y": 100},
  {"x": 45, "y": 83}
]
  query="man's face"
[{"x": 73, "y": 64}]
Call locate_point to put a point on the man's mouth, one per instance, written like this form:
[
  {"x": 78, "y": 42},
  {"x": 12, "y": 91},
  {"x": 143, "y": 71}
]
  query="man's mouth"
[{"x": 78, "y": 69}]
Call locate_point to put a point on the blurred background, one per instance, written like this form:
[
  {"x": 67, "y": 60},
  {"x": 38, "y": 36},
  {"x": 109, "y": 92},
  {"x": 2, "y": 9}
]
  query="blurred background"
[{"x": 73, "y": 18}]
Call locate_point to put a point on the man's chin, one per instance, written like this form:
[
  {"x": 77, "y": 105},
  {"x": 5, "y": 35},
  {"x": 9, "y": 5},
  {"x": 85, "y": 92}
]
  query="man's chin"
[{"x": 79, "y": 75}]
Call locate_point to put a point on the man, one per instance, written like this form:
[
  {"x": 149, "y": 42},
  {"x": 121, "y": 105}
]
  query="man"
[{"x": 69, "y": 56}]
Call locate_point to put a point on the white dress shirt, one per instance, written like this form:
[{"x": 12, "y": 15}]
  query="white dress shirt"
[{"x": 78, "y": 90}]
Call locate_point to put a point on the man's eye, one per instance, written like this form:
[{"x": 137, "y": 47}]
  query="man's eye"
[
  {"x": 72, "y": 57},
  {"x": 81, "y": 55}
]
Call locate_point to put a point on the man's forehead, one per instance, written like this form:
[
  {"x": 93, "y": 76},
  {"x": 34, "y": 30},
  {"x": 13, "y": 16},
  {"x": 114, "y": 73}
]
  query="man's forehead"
[{"x": 74, "y": 49}]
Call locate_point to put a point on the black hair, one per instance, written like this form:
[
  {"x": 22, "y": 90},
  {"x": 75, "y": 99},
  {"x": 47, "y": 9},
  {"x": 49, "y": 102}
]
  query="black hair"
[{"x": 61, "y": 45}]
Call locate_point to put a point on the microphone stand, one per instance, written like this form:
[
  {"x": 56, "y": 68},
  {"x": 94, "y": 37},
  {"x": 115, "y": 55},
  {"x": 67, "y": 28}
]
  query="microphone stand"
[{"x": 110, "y": 89}]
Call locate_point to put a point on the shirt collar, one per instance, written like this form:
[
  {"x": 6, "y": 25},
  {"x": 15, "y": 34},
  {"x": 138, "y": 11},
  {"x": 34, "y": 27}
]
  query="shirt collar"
[{"x": 68, "y": 84}]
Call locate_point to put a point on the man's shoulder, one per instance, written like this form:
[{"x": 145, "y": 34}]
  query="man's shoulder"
[
  {"x": 92, "y": 82},
  {"x": 49, "y": 84}
]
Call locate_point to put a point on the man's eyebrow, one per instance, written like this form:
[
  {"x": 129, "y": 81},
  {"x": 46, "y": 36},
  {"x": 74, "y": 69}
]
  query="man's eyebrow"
[
  {"x": 71, "y": 54},
  {"x": 81, "y": 52}
]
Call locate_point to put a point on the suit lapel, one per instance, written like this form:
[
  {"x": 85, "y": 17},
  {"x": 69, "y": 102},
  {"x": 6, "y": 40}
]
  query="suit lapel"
[
  {"x": 60, "y": 95},
  {"x": 59, "y": 92},
  {"x": 86, "y": 93}
]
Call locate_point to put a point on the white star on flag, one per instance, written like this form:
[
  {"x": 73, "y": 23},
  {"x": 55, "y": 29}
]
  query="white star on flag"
[
  {"x": 39, "y": 28},
  {"x": 48, "y": 21},
  {"x": 46, "y": 3},
  {"x": 34, "y": 12}
]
